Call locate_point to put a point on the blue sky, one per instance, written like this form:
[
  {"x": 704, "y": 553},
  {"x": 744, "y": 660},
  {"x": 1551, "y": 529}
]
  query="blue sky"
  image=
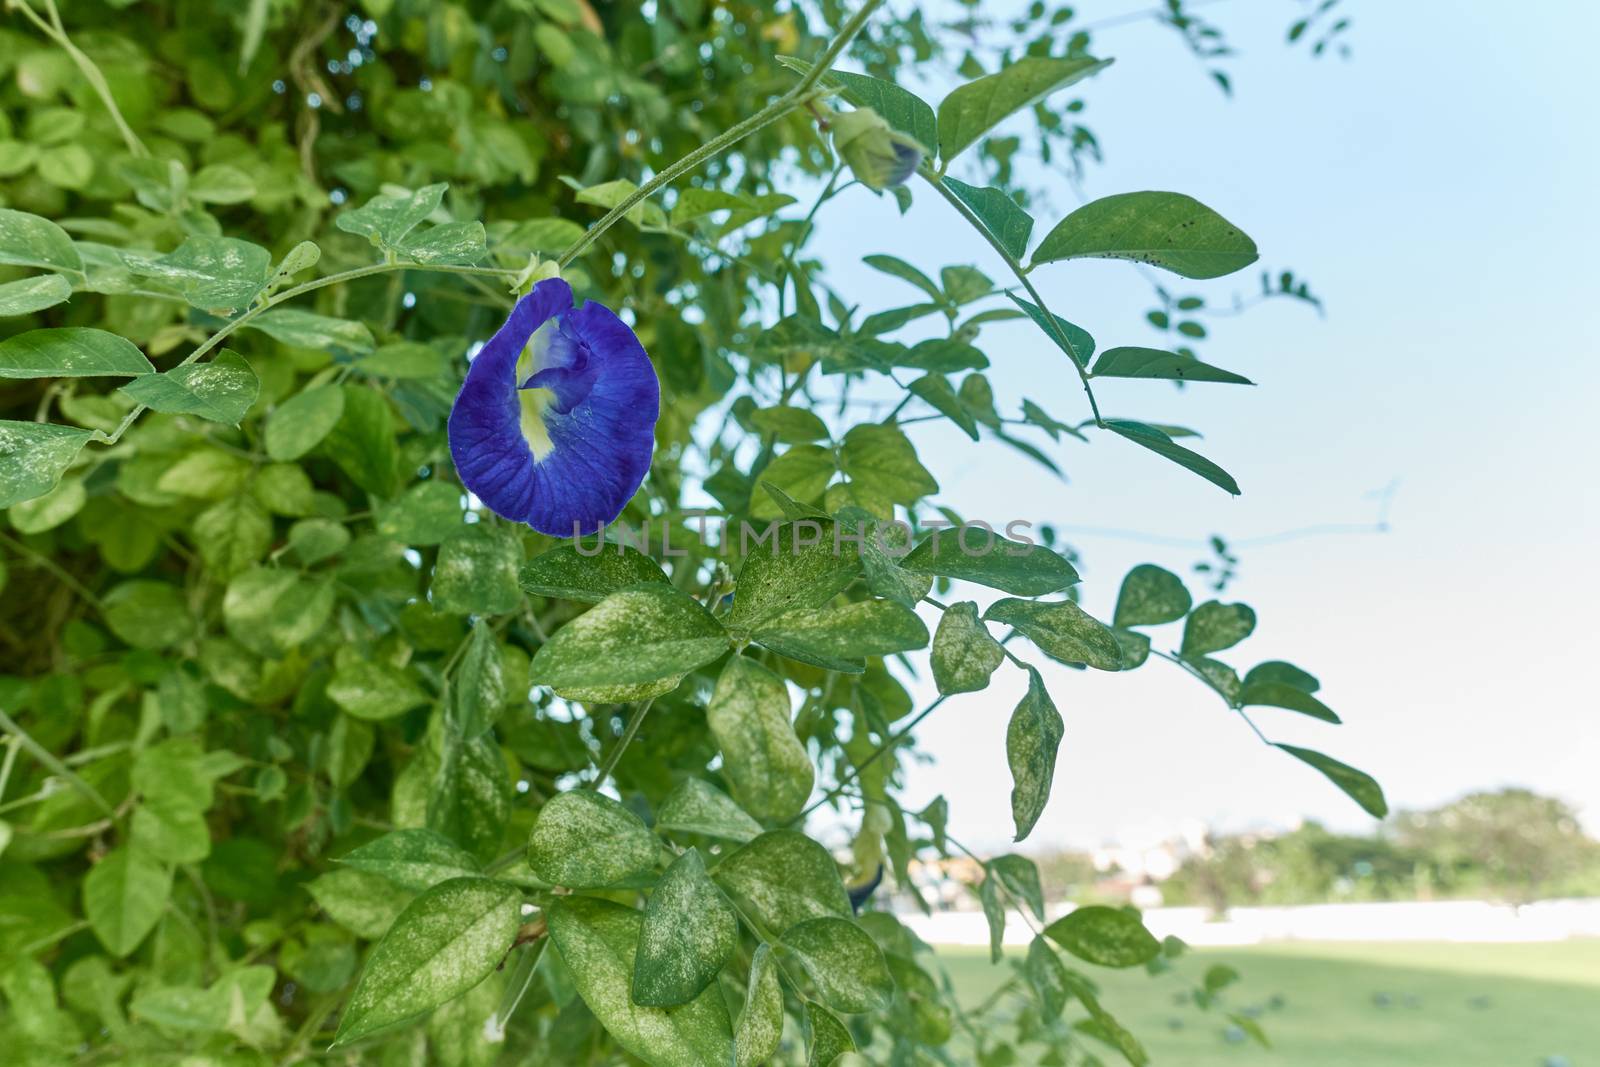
[{"x": 1437, "y": 190}]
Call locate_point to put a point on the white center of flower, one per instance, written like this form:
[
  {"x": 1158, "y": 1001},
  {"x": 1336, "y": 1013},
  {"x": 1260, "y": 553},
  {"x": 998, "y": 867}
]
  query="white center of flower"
[{"x": 534, "y": 401}]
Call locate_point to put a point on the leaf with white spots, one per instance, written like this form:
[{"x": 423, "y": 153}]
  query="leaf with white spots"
[
  {"x": 1214, "y": 626},
  {"x": 698, "y": 807},
  {"x": 585, "y": 840},
  {"x": 413, "y": 859},
  {"x": 33, "y": 456},
  {"x": 689, "y": 931},
  {"x": 629, "y": 638},
  {"x": 446, "y": 941},
  {"x": 783, "y": 878},
  {"x": 567, "y": 573},
  {"x": 844, "y": 963},
  {"x": 805, "y": 565},
  {"x": 760, "y": 1029},
  {"x": 599, "y": 941},
  {"x": 27, "y": 295},
  {"x": 71, "y": 352},
  {"x": 964, "y": 654},
  {"x": 765, "y": 764},
  {"x": 838, "y": 638},
  {"x": 1109, "y": 937},
  {"x": 1062, "y": 630},
  {"x": 221, "y": 390},
  {"x": 1032, "y": 739}
]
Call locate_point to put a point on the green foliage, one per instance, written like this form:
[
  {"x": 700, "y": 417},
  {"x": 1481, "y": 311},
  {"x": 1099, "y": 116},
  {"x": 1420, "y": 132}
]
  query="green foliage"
[{"x": 304, "y": 744}]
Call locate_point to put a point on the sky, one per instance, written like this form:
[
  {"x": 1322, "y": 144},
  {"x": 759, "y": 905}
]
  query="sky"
[{"x": 1437, "y": 190}]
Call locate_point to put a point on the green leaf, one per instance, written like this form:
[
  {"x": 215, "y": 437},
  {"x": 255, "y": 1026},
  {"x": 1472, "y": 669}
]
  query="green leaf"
[
  {"x": 480, "y": 690},
  {"x": 1359, "y": 786},
  {"x": 215, "y": 272},
  {"x": 936, "y": 390},
  {"x": 827, "y": 1039},
  {"x": 1214, "y": 626},
  {"x": 994, "y": 912},
  {"x": 476, "y": 572},
  {"x": 451, "y": 242},
  {"x": 1033, "y": 738},
  {"x": 30, "y": 241},
  {"x": 1109, "y": 937},
  {"x": 425, "y": 514},
  {"x": 634, "y": 636},
  {"x": 789, "y": 425},
  {"x": 233, "y": 534},
  {"x": 689, "y": 932},
  {"x": 446, "y": 941},
  {"x": 598, "y": 942},
  {"x": 306, "y": 329},
  {"x": 804, "y": 566},
  {"x": 610, "y": 194},
  {"x": 760, "y": 1030},
  {"x": 363, "y": 443},
  {"x": 899, "y": 268},
  {"x": 1167, "y": 230},
  {"x": 1047, "y": 976},
  {"x": 273, "y": 610},
  {"x": 362, "y": 903},
  {"x": 300, "y": 423},
  {"x": 902, "y": 110},
  {"x": 1283, "y": 695},
  {"x": 386, "y": 219},
  {"x": 570, "y": 574},
  {"x": 972, "y": 110},
  {"x": 1158, "y": 441},
  {"x": 148, "y": 614},
  {"x": 978, "y": 554},
  {"x": 1158, "y": 363},
  {"x": 844, "y": 963},
  {"x": 405, "y": 360},
  {"x": 221, "y": 390},
  {"x": 783, "y": 878},
  {"x": 167, "y": 829},
  {"x": 51, "y": 510},
  {"x": 1277, "y": 671},
  {"x": 1151, "y": 596},
  {"x": 315, "y": 540},
  {"x": 585, "y": 840},
  {"x": 1062, "y": 630},
  {"x": 883, "y": 460},
  {"x": 879, "y": 544},
  {"x": 801, "y": 473},
  {"x": 1001, "y": 216},
  {"x": 33, "y": 456},
  {"x": 1072, "y": 339},
  {"x": 71, "y": 352},
  {"x": 964, "y": 654},
  {"x": 838, "y": 638},
  {"x": 698, "y": 807},
  {"x": 471, "y": 797},
  {"x": 123, "y": 898},
  {"x": 27, "y": 295},
  {"x": 413, "y": 859},
  {"x": 371, "y": 690},
  {"x": 764, "y": 762},
  {"x": 1021, "y": 878},
  {"x": 221, "y": 184}
]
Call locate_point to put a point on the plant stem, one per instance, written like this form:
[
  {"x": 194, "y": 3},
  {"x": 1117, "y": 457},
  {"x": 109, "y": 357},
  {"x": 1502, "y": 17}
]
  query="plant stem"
[
  {"x": 1054, "y": 329},
  {"x": 54, "y": 765},
  {"x": 802, "y": 93},
  {"x": 1224, "y": 696},
  {"x": 86, "y": 66},
  {"x": 289, "y": 294},
  {"x": 855, "y": 771},
  {"x": 628, "y": 734}
]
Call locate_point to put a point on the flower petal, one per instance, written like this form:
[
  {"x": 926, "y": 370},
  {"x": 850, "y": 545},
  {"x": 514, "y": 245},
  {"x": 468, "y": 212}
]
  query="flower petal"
[{"x": 604, "y": 400}]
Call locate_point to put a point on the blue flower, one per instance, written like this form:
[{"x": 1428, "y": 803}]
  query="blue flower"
[{"x": 555, "y": 422}]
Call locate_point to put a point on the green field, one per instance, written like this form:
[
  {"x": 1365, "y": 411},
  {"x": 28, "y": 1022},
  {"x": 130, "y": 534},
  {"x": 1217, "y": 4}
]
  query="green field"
[{"x": 1358, "y": 1005}]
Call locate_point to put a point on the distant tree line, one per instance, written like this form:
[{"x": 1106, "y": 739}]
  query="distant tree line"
[{"x": 1510, "y": 844}]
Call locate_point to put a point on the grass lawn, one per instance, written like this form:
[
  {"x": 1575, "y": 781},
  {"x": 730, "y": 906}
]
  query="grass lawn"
[{"x": 1356, "y": 1005}]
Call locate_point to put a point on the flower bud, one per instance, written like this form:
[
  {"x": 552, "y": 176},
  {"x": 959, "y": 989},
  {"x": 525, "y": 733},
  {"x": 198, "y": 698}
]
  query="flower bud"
[{"x": 878, "y": 156}]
